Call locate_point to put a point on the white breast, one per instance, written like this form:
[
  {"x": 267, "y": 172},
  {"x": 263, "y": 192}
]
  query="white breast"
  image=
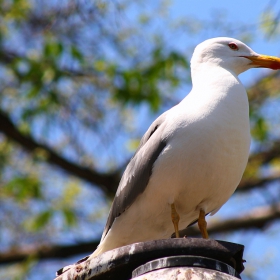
[
  {"x": 201, "y": 166},
  {"x": 209, "y": 147}
]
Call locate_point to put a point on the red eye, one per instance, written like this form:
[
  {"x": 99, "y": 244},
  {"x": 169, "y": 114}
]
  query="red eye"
[{"x": 233, "y": 46}]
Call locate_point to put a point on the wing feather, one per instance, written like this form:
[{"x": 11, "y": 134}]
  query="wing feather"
[{"x": 138, "y": 171}]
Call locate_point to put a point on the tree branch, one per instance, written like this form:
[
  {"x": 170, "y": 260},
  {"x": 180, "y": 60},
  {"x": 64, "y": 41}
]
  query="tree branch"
[
  {"x": 254, "y": 183},
  {"x": 47, "y": 252},
  {"x": 261, "y": 158},
  {"x": 108, "y": 182},
  {"x": 257, "y": 219},
  {"x": 266, "y": 85},
  {"x": 267, "y": 155}
]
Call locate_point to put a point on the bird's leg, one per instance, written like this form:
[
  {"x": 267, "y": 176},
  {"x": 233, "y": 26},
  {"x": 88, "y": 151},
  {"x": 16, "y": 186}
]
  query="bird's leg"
[
  {"x": 202, "y": 224},
  {"x": 175, "y": 219}
]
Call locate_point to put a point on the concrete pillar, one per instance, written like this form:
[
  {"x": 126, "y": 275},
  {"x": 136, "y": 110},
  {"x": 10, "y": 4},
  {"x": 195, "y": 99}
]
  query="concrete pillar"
[
  {"x": 185, "y": 268},
  {"x": 185, "y": 273},
  {"x": 178, "y": 258}
]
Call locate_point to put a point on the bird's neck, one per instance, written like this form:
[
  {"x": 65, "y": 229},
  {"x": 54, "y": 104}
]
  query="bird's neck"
[
  {"x": 215, "y": 80},
  {"x": 208, "y": 73},
  {"x": 216, "y": 87}
]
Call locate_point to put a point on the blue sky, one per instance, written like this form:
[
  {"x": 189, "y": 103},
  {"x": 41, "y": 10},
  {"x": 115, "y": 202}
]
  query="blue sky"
[
  {"x": 258, "y": 245},
  {"x": 262, "y": 250},
  {"x": 246, "y": 12}
]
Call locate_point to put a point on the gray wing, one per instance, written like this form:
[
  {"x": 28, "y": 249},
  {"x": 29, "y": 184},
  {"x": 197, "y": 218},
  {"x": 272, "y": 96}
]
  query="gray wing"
[{"x": 138, "y": 171}]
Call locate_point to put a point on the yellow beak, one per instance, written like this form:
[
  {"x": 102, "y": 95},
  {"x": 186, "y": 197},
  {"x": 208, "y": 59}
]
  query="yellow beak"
[{"x": 265, "y": 61}]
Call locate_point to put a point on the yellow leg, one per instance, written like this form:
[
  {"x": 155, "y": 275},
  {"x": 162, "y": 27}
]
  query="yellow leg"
[
  {"x": 175, "y": 219},
  {"x": 202, "y": 224}
]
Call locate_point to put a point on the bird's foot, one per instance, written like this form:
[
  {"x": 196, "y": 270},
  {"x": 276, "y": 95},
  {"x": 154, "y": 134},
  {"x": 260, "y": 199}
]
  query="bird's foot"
[
  {"x": 175, "y": 219},
  {"x": 202, "y": 224}
]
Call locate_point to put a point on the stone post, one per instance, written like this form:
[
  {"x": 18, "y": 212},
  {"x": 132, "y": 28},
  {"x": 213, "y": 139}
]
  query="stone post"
[{"x": 167, "y": 259}]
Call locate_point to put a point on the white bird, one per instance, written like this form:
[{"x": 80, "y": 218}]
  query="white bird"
[{"x": 192, "y": 157}]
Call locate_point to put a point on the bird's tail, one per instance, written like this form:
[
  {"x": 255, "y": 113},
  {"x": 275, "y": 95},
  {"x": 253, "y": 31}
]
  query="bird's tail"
[{"x": 97, "y": 252}]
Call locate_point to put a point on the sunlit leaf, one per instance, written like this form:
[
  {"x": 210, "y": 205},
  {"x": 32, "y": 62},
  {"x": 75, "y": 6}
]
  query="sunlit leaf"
[
  {"x": 260, "y": 128},
  {"x": 53, "y": 49},
  {"x": 23, "y": 188},
  {"x": 69, "y": 216},
  {"x": 39, "y": 221},
  {"x": 77, "y": 54}
]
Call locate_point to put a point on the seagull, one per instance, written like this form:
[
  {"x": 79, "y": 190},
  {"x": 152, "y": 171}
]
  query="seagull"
[{"x": 192, "y": 157}]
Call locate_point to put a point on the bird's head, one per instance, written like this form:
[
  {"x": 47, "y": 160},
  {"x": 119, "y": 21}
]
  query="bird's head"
[{"x": 231, "y": 54}]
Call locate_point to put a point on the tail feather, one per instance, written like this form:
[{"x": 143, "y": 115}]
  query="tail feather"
[{"x": 99, "y": 250}]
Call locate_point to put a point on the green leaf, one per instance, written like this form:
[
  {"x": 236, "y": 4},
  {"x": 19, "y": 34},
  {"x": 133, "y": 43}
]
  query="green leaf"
[
  {"x": 34, "y": 91},
  {"x": 77, "y": 54},
  {"x": 39, "y": 221},
  {"x": 23, "y": 188},
  {"x": 144, "y": 83},
  {"x": 69, "y": 216},
  {"x": 260, "y": 128},
  {"x": 53, "y": 49}
]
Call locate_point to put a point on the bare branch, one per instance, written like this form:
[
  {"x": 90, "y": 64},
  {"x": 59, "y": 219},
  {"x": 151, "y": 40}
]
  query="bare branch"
[
  {"x": 265, "y": 86},
  {"x": 261, "y": 158},
  {"x": 268, "y": 155},
  {"x": 108, "y": 182},
  {"x": 47, "y": 252},
  {"x": 257, "y": 219},
  {"x": 254, "y": 183}
]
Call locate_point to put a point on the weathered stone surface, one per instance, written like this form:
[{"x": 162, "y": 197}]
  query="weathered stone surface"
[
  {"x": 185, "y": 273},
  {"x": 185, "y": 261},
  {"x": 122, "y": 261}
]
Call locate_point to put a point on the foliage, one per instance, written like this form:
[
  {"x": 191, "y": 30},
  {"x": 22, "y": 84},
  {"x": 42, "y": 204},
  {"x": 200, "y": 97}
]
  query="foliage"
[{"x": 73, "y": 74}]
